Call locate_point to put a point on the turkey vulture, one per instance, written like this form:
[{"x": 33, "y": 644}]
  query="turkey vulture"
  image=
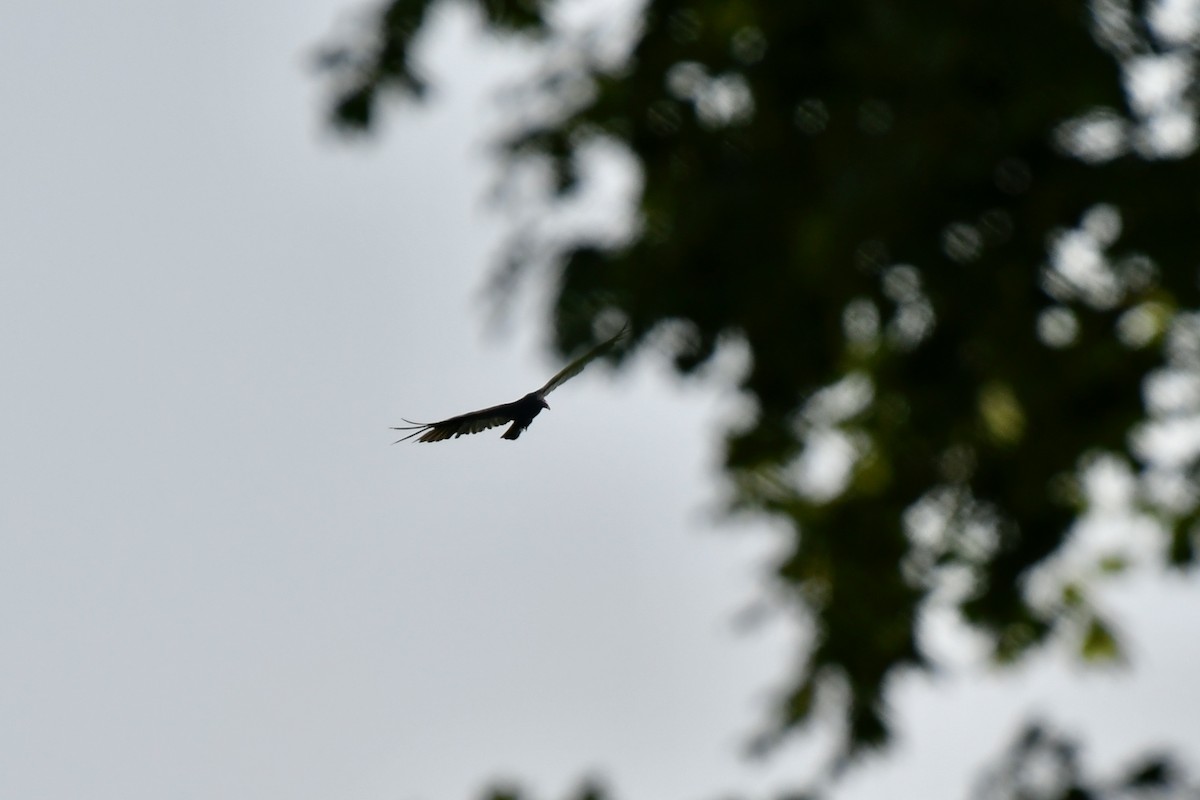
[{"x": 519, "y": 412}]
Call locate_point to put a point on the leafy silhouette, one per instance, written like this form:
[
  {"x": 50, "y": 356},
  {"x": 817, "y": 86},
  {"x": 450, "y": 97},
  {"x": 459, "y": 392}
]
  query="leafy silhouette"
[{"x": 958, "y": 238}]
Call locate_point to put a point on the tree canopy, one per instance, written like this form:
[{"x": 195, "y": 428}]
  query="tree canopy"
[{"x": 957, "y": 239}]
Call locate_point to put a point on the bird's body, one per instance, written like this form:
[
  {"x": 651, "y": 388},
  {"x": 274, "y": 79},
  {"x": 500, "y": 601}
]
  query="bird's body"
[
  {"x": 524, "y": 411},
  {"x": 519, "y": 412}
]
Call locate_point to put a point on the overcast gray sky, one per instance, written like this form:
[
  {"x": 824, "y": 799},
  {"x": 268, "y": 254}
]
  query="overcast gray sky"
[{"x": 217, "y": 576}]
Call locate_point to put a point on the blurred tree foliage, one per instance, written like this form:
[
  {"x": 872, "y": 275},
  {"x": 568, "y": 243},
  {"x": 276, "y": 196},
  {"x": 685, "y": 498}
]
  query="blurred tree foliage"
[
  {"x": 1043, "y": 764},
  {"x": 960, "y": 242}
]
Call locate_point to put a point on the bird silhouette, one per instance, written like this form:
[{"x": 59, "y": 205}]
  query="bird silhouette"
[{"x": 519, "y": 412}]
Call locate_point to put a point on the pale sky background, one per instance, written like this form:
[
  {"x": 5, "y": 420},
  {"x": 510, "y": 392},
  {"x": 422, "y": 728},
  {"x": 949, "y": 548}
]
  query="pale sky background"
[{"x": 217, "y": 576}]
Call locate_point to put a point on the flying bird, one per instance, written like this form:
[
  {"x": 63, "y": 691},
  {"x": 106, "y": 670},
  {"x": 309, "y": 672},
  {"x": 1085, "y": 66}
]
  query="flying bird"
[{"x": 519, "y": 412}]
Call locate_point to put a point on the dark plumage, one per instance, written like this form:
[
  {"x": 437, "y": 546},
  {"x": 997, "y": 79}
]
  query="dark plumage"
[{"x": 519, "y": 412}]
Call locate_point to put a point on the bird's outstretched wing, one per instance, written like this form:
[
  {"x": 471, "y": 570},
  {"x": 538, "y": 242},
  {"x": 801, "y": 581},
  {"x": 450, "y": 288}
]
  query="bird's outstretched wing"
[
  {"x": 463, "y": 424},
  {"x": 575, "y": 367}
]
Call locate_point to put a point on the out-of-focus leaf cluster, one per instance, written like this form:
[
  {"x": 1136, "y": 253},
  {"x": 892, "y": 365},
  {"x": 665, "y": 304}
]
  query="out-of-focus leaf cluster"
[
  {"x": 376, "y": 56},
  {"x": 1043, "y": 764},
  {"x": 961, "y": 208}
]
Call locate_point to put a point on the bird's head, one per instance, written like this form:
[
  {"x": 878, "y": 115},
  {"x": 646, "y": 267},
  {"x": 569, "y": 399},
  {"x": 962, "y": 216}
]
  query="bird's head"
[{"x": 537, "y": 397}]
